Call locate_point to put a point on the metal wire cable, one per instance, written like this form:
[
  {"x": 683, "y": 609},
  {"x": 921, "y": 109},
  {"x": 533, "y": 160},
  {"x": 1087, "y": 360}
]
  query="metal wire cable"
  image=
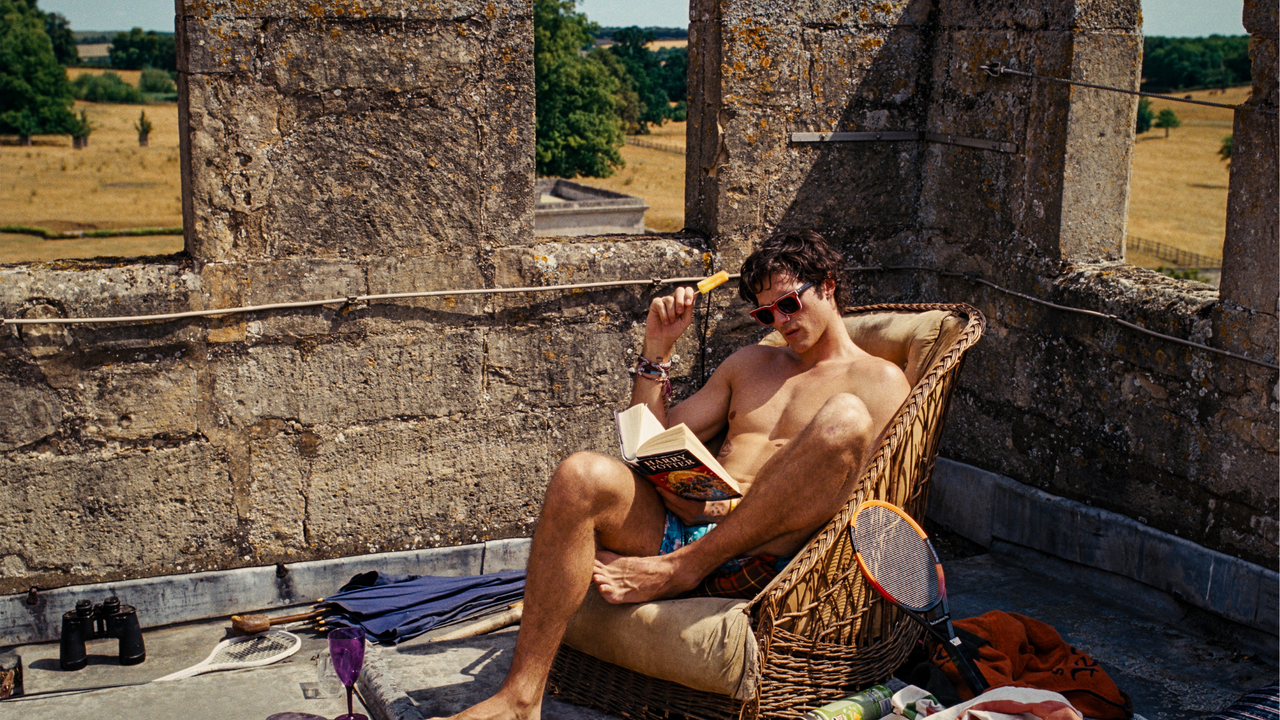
[
  {"x": 350, "y": 300},
  {"x": 1079, "y": 311},
  {"x": 996, "y": 70},
  {"x": 655, "y": 282}
]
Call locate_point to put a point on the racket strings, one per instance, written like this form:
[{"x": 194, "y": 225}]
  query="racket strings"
[
  {"x": 253, "y": 649},
  {"x": 896, "y": 557}
]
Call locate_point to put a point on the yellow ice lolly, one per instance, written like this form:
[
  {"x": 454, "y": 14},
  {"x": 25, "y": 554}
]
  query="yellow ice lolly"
[{"x": 706, "y": 285}]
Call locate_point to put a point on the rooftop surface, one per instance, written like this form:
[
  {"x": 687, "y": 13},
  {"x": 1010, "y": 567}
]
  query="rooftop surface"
[{"x": 1172, "y": 667}]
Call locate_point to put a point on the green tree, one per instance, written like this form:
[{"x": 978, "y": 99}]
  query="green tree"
[
  {"x": 80, "y": 131},
  {"x": 34, "y": 95},
  {"x": 627, "y": 100},
  {"x": 577, "y": 126},
  {"x": 58, "y": 29},
  {"x": 1184, "y": 63},
  {"x": 136, "y": 50},
  {"x": 646, "y": 74},
  {"x": 1168, "y": 120},
  {"x": 143, "y": 126},
  {"x": 107, "y": 87},
  {"x": 1145, "y": 115},
  {"x": 155, "y": 80},
  {"x": 1228, "y": 145}
]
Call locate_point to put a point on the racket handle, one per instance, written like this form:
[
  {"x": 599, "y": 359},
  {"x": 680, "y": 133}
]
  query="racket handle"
[
  {"x": 968, "y": 672},
  {"x": 193, "y": 670}
]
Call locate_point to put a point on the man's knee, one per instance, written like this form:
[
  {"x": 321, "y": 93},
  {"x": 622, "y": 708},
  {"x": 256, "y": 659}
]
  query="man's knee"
[
  {"x": 587, "y": 478},
  {"x": 844, "y": 422}
]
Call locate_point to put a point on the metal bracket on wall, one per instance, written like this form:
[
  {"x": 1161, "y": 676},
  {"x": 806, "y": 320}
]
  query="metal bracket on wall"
[{"x": 892, "y": 135}]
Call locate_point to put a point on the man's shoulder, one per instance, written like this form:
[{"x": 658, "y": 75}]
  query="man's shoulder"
[{"x": 755, "y": 354}]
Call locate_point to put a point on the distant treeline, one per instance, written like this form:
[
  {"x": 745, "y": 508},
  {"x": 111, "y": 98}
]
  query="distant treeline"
[
  {"x": 658, "y": 33},
  {"x": 1217, "y": 61}
]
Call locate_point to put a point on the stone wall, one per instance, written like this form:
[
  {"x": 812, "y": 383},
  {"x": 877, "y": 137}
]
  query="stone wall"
[
  {"x": 369, "y": 147},
  {"x": 1180, "y": 438}
]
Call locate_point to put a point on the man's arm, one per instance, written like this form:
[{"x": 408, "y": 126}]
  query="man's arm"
[
  {"x": 669, "y": 316},
  {"x": 884, "y": 396}
]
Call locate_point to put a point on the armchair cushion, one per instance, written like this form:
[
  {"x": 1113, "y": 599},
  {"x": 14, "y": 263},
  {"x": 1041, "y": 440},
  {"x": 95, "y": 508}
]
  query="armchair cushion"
[{"x": 702, "y": 643}]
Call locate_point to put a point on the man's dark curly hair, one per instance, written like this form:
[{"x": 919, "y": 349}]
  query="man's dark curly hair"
[{"x": 804, "y": 255}]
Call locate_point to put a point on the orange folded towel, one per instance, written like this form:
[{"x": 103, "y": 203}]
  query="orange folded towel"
[{"x": 1024, "y": 652}]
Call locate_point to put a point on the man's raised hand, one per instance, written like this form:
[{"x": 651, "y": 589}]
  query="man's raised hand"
[{"x": 669, "y": 316}]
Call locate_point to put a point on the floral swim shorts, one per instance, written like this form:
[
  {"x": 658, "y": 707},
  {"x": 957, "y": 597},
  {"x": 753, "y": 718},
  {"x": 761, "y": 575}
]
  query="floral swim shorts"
[{"x": 739, "y": 578}]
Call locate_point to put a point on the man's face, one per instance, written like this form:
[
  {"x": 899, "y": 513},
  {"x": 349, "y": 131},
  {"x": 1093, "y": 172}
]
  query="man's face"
[{"x": 791, "y": 307}]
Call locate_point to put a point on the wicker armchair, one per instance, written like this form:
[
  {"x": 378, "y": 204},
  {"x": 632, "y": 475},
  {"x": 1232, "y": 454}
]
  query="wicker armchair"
[{"x": 818, "y": 631}]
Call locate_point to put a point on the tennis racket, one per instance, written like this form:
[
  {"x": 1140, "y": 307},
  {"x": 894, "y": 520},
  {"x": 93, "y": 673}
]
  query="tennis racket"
[
  {"x": 897, "y": 558},
  {"x": 243, "y": 652}
]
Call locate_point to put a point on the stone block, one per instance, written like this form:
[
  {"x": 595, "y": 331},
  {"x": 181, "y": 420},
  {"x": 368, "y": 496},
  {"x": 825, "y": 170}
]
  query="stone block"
[
  {"x": 961, "y": 498},
  {"x": 155, "y": 394},
  {"x": 348, "y": 9},
  {"x": 601, "y": 260},
  {"x": 447, "y": 271},
  {"x": 1261, "y": 18},
  {"x": 560, "y": 366},
  {"x": 1003, "y": 14},
  {"x": 379, "y": 377},
  {"x": 113, "y": 512},
  {"x": 1099, "y": 151},
  {"x": 28, "y": 414},
  {"x": 357, "y": 133},
  {"x": 1250, "y": 276},
  {"x": 400, "y": 484},
  {"x": 831, "y": 13},
  {"x": 93, "y": 289}
]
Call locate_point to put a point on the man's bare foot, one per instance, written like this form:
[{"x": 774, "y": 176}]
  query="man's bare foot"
[
  {"x": 499, "y": 707},
  {"x": 623, "y": 579}
]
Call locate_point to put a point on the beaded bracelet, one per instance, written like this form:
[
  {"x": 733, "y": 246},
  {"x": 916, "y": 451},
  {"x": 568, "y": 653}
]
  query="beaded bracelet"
[{"x": 657, "y": 372}]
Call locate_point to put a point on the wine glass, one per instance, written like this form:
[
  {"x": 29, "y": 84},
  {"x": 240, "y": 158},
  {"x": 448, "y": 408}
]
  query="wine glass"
[{"x": 346, "y": 649}]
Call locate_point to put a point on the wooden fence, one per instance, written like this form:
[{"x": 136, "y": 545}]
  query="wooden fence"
[
  {"x": 1177, "y": 256},
  {"x": 655, "y": 145}
]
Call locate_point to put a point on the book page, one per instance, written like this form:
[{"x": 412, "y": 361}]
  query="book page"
[{"x": 636, "y": 425}]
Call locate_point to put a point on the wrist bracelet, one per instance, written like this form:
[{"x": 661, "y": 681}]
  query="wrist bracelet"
[
  {"x": 645, "y": 366},
  {"x": 657, "y": 372}
]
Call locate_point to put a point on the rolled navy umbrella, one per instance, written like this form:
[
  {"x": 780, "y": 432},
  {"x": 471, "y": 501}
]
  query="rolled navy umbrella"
[{"x": 394, "y": 608}]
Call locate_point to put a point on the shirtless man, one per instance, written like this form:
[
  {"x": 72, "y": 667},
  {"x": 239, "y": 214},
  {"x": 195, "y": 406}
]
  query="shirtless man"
[{"x": 801, "y": 421}]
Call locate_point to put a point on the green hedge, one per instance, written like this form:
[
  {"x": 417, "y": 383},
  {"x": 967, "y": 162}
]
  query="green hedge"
[{"x": 48, "y": 234}]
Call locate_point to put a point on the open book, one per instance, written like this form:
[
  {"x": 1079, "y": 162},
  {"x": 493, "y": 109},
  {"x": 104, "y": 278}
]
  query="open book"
[{"x": 672, "y": 458}]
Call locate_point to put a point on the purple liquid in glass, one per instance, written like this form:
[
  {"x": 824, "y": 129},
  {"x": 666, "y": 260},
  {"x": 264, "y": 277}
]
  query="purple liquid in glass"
[{"x": 346, "y": 650}]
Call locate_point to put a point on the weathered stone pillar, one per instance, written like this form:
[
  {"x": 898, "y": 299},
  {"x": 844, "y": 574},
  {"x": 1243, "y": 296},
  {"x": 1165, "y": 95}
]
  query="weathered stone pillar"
[
  {"x": 762, "y": 71},
  {"x": 354, "y": 129},
  {"x": 1250, "y": 291},
  {"x": 1064, "y": 193}
]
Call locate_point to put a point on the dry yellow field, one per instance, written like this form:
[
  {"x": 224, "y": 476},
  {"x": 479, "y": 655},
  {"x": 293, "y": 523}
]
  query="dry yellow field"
[
  {"x": 130, "y": 76},
  {"x": 1178, "y": 193},
  {"x": 654, "y": 175},
  {"x": 112, "y": 183}
]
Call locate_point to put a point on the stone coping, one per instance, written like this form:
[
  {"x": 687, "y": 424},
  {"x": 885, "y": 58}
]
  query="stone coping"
[{"x": 182, "y": 598}]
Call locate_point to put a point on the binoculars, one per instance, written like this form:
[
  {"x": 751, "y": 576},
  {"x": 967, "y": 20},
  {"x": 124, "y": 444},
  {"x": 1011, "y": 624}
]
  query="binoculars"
[{"x": 107, "y": 620}]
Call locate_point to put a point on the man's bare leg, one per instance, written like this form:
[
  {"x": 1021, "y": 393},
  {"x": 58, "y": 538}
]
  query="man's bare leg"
[
  {"x": 796, "y": 492},
  {"x": 591, "y": 498}
]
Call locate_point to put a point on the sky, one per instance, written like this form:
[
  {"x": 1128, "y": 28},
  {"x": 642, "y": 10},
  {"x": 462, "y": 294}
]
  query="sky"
[{"x": 1175, "y": 18}]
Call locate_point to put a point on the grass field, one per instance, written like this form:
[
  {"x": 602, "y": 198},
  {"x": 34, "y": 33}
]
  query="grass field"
[
  {"x": 112, "y": 183},
  {"x": 654, "y": 175},
  {"x": 1178, "y": 194}
]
